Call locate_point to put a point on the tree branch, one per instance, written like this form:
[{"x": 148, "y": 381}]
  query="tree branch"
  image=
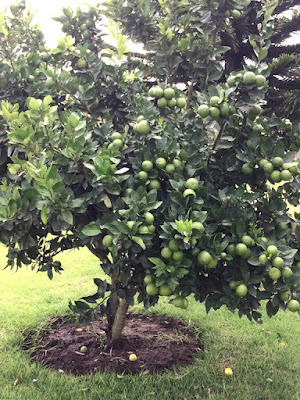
[{"x": 102, "y": 257}]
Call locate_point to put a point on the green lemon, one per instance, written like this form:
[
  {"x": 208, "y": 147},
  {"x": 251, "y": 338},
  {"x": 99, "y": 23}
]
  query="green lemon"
[
  {"x": 260, "y": 80},
  {"x": 154, "y": 184},
  {"x": 116, "y": 135},
  {"x": 173, "y": 245},
  {"x": 241, "y": 249},
  {"x": 107, "y": 241},
  {"x": 158, "y": 92},
  {"x": 177, "y": 255},
  {"x": 274, "y": 273},
  {"x": 172, "y": 103},
  {"x": 164, "y": 290},
  {"x": 248, "y": 241},
  {"x": 247, "y": 169},
  {"x": 204, "y": 111},
  {"x": 204, "y": 258},
  {"x": 249, "y": 77},
  {"x": 161, "y": 162},
  {"x": 214, "y": 112},
  {"x": 148, "y": 279},
  {"x": 275, "y": 176},
  {"x": 293, "y": 305},
  {"x": 231, "y": 81},
  {"x": 214, "y": 101},
  {"x": 284, "y": 296},
  {"x": 169, "y": 93},
  {"x": 166, "y": 252},
  {"x": 151, "y": 289},
  {"x": 277, "y": 162},
  {"x": 81, "y": 63},
  {"x": 192, "y": 183},
  {"x": 143, "y": 230},
  {"x": 147, "y": 165},
  {"x": 262, "y": 162},
  {"x": 241, "y": 290},
  {"x": 278, "y": 262},
  {"x": 286, "y": 175},
  {"x": 162, "y": 102},
  {"x": 143, "y": 175},
  {"x": 181, "y": 103},
  {"x": 286, "y": 272},
  {"x": 143, "y": 127},
  {"x": 263, "y": 259},
  {"x": 140, "y": 118},
  {"x": 170, "y": 168},
  {"x": 268, "y": 167},
  {"x": 189, "y": 192},
  {"x": 198, "y": 226},
  {"x": 224, "y": 109},
  {"x": 149, "y": 218},
  {"x": 235, "y": 14},
  {"x": 177, "y": 163},
  {"x": 272, "y": 250}
]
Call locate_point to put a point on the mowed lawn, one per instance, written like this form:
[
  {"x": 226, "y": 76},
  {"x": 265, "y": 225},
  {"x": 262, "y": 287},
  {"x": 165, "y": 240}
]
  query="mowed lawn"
[{"x": 265, "y": 358}]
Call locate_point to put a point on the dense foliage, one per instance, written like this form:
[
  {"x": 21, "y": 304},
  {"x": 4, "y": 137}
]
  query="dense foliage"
[{"x": 162, "y": 170}]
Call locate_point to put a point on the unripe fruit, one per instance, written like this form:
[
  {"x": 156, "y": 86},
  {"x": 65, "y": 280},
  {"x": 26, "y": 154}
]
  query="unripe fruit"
[
  {"x": 247, "y": 169},
  {"x": 81, "y": 63},
  {"x": 148, "y": 279},
  {"x": 151, "y": 289},
  {"x": 183, "y": 154},
  {"x": 241, "y": 290},
  {"x": 117, "y": 143},
  {"x": 275, "y": 176},
  {"x": 154, "y": 184},
  {"x": 231, "y": 250},
  {"x": 140, "y": 118},
  {"x": 286, "y": 272},
  {"x": 274, "y": 273},
  {"x": 255, "y": 110},
  {"x": 263, "y": 259},
  {"x": 161, "y": 162},
  {"x": 173, "y": 245},
  {"x": 262, "y": 162},
  {"x": 233, "y": 285},
  {"x": 272, "y": 250},
  {"x": 247, "y": 254},
  {"x": 143, "y": 230},
  {"x": 169, "y": 93},
  {"x": 268, "y": 167},
  {"x": 143, "y": 127},
  {"x": 213, "y": 263},
  {"x": 177, "y": 163},
  {"x": 204, "y": 111},
  {"x": 293, "y": 305},
  {"x": 158, "y": 92},
  {"x": 189, "y": 192},
  {"x": 204, "y": 258},
  {"x": 249, "y": 77},
  {"x": 179, "y": 302},
  {"x": 282, "y": 226},
  {"x": 147, "y": 165},
  {"x": 181, "y": 103},
  {"x": 83, "y": 349},
  {"x": 278, "y": 262},
  {"x": 198, "y": 226},
  {"x": 107, "y": 241},
  {"x": 192, "y": 183},
  {"x": 231, "y": 81},
  {"x": 172, "y": 103},
  {"x": 286, "y": 175},
  {"x": 166, "y": 253},
  {"x": 224, "y": 109},
  {"x": 170, "y": 168},
  {"x": 214, "y": 112},
  {"x": 235, "y": 14},
  {"x": 149, "y": 218},
  {"x": 241, "y": 249},
  {"x": 143, "y": 175},
  {"x": 162, "y": 102},
  {"x": 164, "y": 290},
  {"x": 177, "y": 255},
  {"x": 130, "y": 224},
  {"x": 151, "y": 228},
  {"x": 257, "y": 128},
  {"x": 260, "y": 80},
  {"x": 284, "y": 296},
  {"x": 214, "y": 101},
  {"x": 248, "y": 241},
  {"x": 116, "y": 135},
  {"x": 50, "y": 82},
  {"x": 277, "y": 162}
]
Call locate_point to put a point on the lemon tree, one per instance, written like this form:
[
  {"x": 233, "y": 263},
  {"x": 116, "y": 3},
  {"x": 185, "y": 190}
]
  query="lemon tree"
[{"x": 163, "y": 168}]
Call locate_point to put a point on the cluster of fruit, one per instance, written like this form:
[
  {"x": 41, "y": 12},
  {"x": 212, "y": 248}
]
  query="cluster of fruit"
[
  {"x": 166, "y": 97},
  {"x": 146, "y": 228},
  {"x": 277, "y": 270},
  {"x": 164, "y": 290},
  {"x": 248, "y": 77},
  {"x": 217, "y": 108},
  {"x": 275, "y": 169},
  {"x": 116, "y": 141},
  {"x": 142, "y": 126}
]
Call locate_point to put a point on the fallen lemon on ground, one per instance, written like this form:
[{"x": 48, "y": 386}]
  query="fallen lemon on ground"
[
  {"x": 132, "y": 357},
  {"x": 228, "y": 371}
]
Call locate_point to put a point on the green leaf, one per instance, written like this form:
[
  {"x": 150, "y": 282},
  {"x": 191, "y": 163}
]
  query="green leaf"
[
  {"x": 157, "y": 261},
  {"x": 67, "y": 216},
  {"x": 92, "y": 229},
  {"x": 139, "y": 241},
  {"x": 44, "y": 215}
]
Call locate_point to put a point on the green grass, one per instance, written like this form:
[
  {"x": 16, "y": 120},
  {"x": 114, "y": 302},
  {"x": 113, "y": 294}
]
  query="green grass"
[{"x": 263, "y": 368}]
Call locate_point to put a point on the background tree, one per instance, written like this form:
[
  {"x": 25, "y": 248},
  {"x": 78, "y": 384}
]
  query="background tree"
[{"x": 158, "y": 168}]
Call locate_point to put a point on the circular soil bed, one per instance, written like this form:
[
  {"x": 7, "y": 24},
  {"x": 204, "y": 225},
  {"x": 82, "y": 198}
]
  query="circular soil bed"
[{"x": 159, "y": 343}]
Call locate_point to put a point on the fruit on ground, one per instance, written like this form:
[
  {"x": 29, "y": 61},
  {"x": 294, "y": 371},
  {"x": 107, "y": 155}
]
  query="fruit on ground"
[
  {"x": 192, "y": 183},
  {"x": 166, "y": 252},
  {"x": 161, "y": 162},
  {"x": 241, "y": 290},
  {"x": 164, "y": 290},
  {"x": 241, "y": 249},
  {"x": 83, "y": 349},
  {"x": 249, "y": 77},
  {"x": 204, "y": 257},
  {"x": 204, "y": 111},
  {"x": 228, "y": 371},
  {"x": 148, "y": 279},
  {"x": 147, "y": 165},
  {"x": 180, "y": 302},
  {"x": 293, "y": 305},
  {"x": 272, "y": 250},
  {"x": 107, "y": 241},
  {"x": 278, "y": 262},
  {"x": 151, "y": 289},
  {"x": 274, "y": 273},
  {"x": 132, "y": 357}
]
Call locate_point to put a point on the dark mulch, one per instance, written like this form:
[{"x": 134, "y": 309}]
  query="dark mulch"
[{"x": 160, "y": 343}]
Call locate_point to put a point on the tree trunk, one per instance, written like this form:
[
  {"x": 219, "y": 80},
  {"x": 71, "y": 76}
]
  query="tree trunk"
[{"x": 119, "y": 322}]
